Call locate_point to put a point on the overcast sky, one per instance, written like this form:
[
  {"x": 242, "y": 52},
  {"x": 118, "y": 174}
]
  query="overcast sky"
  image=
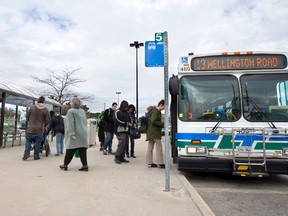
[{"x": 41, "y": 35}]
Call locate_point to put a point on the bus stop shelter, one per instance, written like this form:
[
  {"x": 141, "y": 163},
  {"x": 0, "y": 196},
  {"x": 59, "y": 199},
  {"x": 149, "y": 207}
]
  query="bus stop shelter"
[{"x": 14, "y": 102}]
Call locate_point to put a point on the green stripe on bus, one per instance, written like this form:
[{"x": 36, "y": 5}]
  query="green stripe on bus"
[
  {"x": 271, "y": 146},
  {"x": 226, "y": 142}
]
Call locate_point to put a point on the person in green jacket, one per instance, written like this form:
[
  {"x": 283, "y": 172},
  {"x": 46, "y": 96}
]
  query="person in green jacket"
[
  {"x": 154, "y": 135},
  {"x": 75, "y": 135}
]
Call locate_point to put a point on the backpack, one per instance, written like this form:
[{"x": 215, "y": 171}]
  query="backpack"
[
  {"x": 144, "y": 125},
  {"x": 100, "y": 120}
]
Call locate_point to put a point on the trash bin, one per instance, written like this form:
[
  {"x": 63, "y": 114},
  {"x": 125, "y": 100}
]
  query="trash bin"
[{"x": 92, "y": 126}]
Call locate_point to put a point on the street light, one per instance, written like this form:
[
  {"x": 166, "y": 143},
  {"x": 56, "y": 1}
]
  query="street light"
[
  {"x": 137, "y": 45},
  {"x": 118, "y": 97}
]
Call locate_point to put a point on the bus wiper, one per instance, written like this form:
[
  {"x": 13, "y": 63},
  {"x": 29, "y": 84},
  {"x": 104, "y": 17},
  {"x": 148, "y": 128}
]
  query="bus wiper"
[
  {"x": 259, "y": 110},
  {"x": 216, "y": 126},
  {"x": 233, "y": 104}
]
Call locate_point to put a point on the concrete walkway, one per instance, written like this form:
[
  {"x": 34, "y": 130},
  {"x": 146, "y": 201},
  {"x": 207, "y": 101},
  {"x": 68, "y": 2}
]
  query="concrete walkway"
[{"x": 33, "y": 188}]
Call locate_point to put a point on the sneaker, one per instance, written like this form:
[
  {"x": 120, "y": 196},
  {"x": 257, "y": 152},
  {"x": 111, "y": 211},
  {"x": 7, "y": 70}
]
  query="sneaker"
[
  {"x": 133, "y": 156},
  {"x": 152, "y": 165},
  {"x": 25, "y": 157},
  {"x": 105, "y": 152},
  {"x": 101, "y": 149},
  {"x": 162, "y": 166},
  {"x": 127, "y": 156},
  {"x": 36, "y": 158},
  {"x": 110, "y": 152}
]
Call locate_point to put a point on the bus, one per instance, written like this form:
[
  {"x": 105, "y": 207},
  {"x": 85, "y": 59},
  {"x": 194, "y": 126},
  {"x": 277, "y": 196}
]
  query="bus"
[{"x": 229, "y": 113}]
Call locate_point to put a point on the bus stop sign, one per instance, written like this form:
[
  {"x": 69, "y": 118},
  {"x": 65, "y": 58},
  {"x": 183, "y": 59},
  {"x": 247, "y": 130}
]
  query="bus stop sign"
[{"x": 154, "y": 54}]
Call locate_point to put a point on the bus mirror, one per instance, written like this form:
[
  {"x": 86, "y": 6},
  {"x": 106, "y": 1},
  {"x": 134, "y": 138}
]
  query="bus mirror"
[{"x": 174, "y": 85}]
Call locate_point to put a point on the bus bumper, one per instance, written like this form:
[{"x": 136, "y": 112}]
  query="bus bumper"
[{"x": 225, "y": 165}]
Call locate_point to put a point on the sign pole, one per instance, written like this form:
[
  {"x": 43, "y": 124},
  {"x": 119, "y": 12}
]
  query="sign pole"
[{"x": 167, "y": 137}]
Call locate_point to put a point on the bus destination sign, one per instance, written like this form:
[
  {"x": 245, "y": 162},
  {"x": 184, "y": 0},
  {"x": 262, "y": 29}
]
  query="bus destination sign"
[{"x": 239, "y": 62}]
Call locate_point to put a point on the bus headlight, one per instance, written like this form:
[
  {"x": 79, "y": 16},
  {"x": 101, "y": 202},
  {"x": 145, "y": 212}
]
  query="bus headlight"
[
  {"x": 196, "y": 150},
  {"x": 285, "y": 151}
]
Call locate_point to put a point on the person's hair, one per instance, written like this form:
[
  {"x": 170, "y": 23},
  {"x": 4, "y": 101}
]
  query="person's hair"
[
  {"x": 114, "y": 103},
  {"x": 41, "y": 99},
  {"x": 75, "y": 102},
  {"x": 132, "y": 106},
  {"x": 51, "y": 113},
  {"x": 161, "y": 102}
]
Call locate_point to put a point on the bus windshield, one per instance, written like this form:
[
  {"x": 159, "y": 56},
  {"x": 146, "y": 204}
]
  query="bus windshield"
[
  {"x": 209, "y": 98},
  {"x": 265, "y": 97}
]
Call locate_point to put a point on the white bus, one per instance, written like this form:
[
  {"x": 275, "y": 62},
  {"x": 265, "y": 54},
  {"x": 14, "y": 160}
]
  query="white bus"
[{"x": 229, "y": 113}]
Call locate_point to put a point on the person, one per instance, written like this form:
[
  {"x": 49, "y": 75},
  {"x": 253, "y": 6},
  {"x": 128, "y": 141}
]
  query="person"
[
  {"x": 38, "y": 118},
  {"x": 101, "y": 135},
  {"x": 122, "y": 129},
  {"x": 154, "y": 135},
  {"x": 109, "y": 128},
  {"x": 75, "y": 135},
  {"x": 131, "y": 111},
  {"x": 57, "y": 126}
]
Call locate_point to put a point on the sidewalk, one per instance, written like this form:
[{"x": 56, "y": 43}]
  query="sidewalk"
[{"x": 40, "y": 188}]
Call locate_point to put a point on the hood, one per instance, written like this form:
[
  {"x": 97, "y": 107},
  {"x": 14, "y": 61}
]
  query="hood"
[
  {"x": 40, "y": 105},
  {"x": 124, "y": 106},
  {"x": 150, "y": 108}
]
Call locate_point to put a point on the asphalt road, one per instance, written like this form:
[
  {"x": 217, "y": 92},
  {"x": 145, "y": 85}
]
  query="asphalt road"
[{"x": 231, "y": 195}]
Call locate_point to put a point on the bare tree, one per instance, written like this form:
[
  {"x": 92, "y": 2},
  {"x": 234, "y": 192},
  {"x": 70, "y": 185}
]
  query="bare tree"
[{"x": 60, "y": 84}]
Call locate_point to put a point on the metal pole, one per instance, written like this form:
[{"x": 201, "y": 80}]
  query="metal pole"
[
  {"x": 167, "y": 137},
  {"x": 136, "y": 84},
  {"x": 137, "y": 45}
]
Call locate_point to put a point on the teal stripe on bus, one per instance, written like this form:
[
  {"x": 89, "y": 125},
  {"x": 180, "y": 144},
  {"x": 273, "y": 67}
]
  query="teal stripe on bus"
[{"x": 271, "y": 146}]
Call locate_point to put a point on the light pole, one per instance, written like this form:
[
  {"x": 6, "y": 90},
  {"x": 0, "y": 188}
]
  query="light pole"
[
  {"x": 137, "y": 45},
  {"x": 118, "y": 97}
]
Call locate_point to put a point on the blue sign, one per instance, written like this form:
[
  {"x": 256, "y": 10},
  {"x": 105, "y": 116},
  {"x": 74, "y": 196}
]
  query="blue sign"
[{"x": 154, "y": 54}]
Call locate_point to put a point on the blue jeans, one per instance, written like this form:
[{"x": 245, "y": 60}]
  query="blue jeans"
[
  {"x": 48, "y": 150},
  {"x": 108, "y": 141},
  {"x": 59, "y": 143},
  {"x": 37, "y": 139},
  {"x": 132, "y": 144}
]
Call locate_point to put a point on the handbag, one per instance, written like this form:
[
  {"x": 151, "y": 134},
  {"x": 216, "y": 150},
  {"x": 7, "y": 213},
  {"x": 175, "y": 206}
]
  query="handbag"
[
  {"x": 76, "y": 154},
  {"x": 136, "y": 134}
]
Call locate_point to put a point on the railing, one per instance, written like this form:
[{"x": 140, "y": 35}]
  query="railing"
[{"x": 11, "y": 137}]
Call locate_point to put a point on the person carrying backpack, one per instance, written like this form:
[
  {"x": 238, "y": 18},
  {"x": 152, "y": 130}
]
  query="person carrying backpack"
[
  {"x": 100, "y": 126},
  {"x": 109, "y": 128}
]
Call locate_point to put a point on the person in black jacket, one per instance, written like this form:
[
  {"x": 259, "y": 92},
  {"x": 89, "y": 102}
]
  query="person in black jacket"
[
  {"x": 122, "y": 130},
  {"x": 57, "y": 126},
  {"x": 109, "y": 128}
]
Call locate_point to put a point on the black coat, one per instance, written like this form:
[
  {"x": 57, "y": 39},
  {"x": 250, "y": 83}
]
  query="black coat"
[
  {"x": 122, "y": 119},
  {"x": 108, "y": 120},
  {"x": 56, "y": 124}
]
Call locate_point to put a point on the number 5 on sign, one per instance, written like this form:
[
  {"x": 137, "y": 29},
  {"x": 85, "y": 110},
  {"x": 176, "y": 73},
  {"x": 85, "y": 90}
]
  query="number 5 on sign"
[{"x": 159, "y": 37}]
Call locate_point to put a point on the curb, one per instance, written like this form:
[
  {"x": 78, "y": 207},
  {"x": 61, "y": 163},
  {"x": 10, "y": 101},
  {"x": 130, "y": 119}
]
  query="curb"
[{"x": 196, "y": 198}]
